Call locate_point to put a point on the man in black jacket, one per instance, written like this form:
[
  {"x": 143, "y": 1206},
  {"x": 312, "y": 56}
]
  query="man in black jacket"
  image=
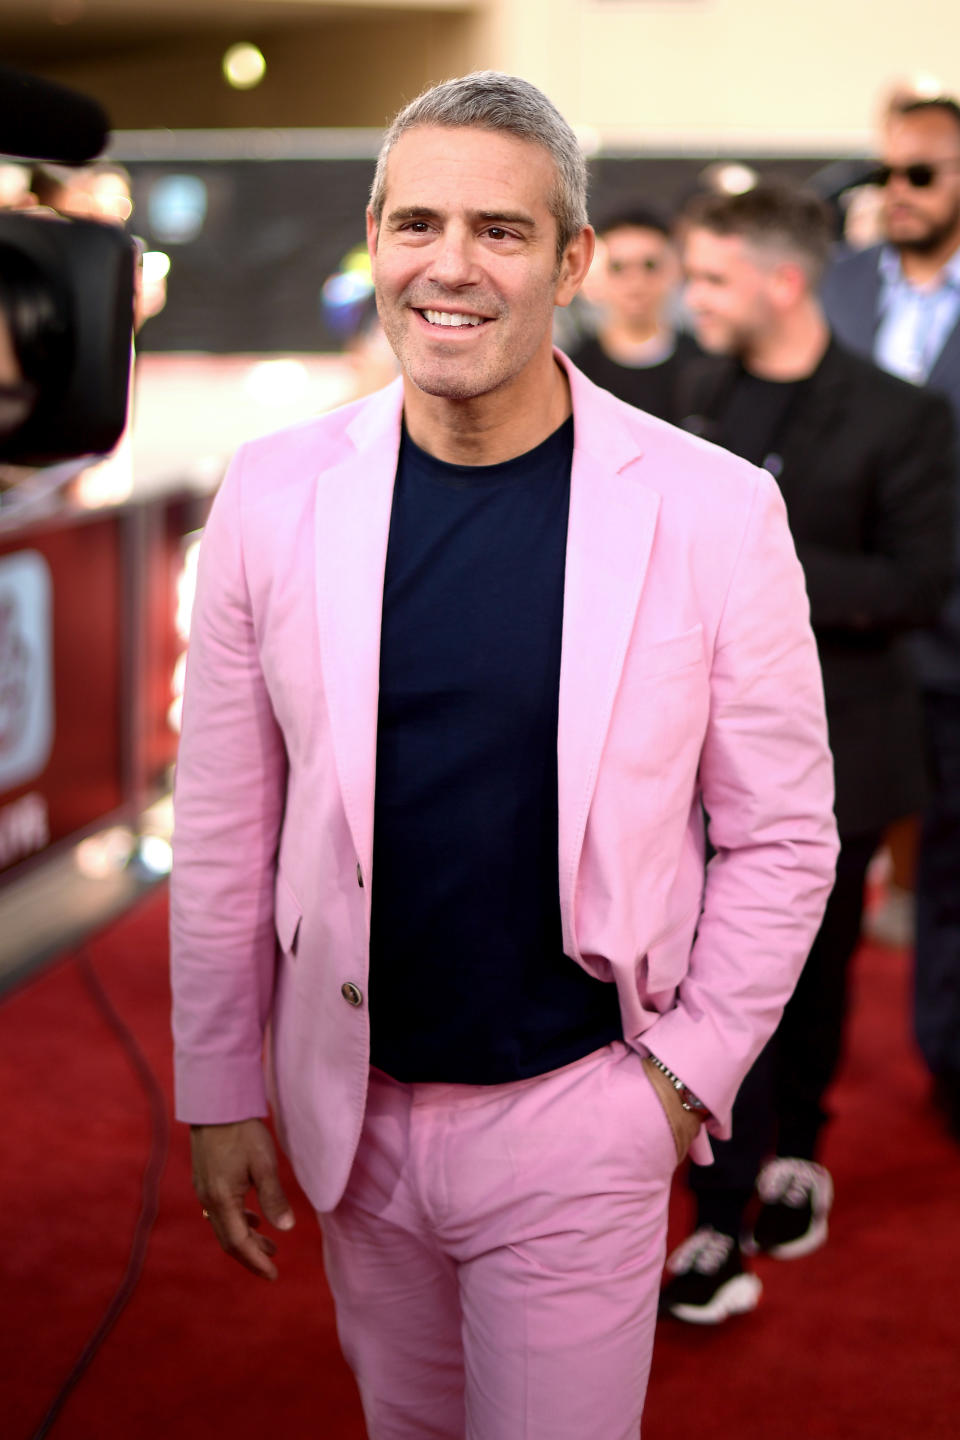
[
  {"x": 899, "y": 303},
  {"x": 865, "y": 463}
]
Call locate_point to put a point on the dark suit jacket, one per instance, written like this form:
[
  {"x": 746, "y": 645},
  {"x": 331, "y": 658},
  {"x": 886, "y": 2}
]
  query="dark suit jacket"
[
  {"x": 867, "y": 473},
  {"x": 851, "y": 298}
]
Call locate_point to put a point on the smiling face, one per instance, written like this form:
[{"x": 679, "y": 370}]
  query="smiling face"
[{"x": 465, "y": 261}]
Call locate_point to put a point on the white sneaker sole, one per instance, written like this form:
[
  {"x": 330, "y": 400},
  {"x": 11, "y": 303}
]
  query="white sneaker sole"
[
  {"x": 737, "y": 1297},
  {"x": 805, "y": 1244}
]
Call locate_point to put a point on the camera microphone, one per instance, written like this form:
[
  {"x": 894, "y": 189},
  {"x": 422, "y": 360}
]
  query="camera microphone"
[{"x": 40, "y": 120}]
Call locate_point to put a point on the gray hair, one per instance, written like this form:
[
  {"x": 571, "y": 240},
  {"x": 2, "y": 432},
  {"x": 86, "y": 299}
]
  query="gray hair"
[{"x": 490, "y": 100}]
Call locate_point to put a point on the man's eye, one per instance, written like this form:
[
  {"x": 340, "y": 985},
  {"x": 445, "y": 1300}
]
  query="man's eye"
[{"x": 497, "y": 232}]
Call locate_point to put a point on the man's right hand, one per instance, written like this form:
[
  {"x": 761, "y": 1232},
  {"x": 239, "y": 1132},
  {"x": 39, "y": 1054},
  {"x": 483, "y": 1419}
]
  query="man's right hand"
[{"x": 227, "y": 1161}]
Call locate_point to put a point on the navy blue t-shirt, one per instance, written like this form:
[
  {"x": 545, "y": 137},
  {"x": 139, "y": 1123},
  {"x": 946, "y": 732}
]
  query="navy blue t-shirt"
[{"x": 468, "y": 979}]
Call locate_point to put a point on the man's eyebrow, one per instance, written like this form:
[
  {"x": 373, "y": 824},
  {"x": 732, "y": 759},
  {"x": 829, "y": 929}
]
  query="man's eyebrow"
[
  {"x": 412, "y": 212},
  {"x": 489, "y": 217},
  {"x": 506, "y": 217}
]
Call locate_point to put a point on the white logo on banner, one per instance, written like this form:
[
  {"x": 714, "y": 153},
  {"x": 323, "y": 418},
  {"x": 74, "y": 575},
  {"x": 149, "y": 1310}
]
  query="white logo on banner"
[
  {"x": 26, "y": 667},
  {"x": 24, "y": 828}
]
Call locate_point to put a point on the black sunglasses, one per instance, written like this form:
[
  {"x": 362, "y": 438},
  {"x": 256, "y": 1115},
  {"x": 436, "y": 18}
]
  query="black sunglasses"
[
  {"x": 920, "y": 176},
  {"x": 648, "y": 263}
]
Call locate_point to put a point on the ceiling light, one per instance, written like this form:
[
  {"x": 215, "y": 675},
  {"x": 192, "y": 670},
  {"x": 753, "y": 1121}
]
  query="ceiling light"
[{"x": 244, "y": 66}]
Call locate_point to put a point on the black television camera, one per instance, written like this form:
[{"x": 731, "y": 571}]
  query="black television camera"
[{"x": 66, "y": 292}]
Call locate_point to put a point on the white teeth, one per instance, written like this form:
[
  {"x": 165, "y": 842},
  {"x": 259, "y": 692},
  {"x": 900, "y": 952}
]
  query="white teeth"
[{"x": 443, "y": 317}]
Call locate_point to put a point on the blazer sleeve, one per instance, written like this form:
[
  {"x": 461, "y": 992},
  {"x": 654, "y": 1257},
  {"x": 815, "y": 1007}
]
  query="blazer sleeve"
[
  {"x": 905, "y": 578},
  {"x": 767, "y": 787},
  {"x": 230, "y": 785}
]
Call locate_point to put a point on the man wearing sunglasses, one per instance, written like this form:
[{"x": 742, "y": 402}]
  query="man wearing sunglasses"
[{"x": 900, "y": 303}]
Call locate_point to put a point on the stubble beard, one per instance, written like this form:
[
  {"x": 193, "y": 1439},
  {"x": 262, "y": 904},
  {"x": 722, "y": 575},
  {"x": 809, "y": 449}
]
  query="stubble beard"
[
  {"x": 936, "y": 237},
  {"x": 437, "y": 376},
  {"x": 432, "y": 376}
]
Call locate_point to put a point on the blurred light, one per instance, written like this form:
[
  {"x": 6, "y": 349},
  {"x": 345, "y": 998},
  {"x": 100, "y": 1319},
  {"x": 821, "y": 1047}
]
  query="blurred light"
[
  {"x": 100, "y": 856},
  {"x": 156, "y": 266},
  {"x": 244, "y": 66},
  {"x": 346, "y": 288},
  {"x": 175, "y": 708},
  {"x": 175, "y": 714},
  {"x": 187, "y": 587},
  {"x": 589, "y": 139},
  {"x": 277, "y": 382},
  {"x": 927, "y": 86},
  {"x": 177, "y": 208},
  {"x": 729, "y": 177},
  {"x": 345, "y": 299},
  {"x": 155, "y": 854},
  {"x": 14, "y": 185}
]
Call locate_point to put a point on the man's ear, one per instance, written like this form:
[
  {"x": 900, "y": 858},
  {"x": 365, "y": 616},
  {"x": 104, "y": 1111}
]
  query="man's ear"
[
  {"x": 373, "y": 234},
  {"x": 574, "y": 266},
  {"x": 790, "y": 281}
]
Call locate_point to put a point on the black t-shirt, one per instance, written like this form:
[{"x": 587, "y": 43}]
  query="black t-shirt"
[
  {"x": 468, "y": 979},
  {"x": 650, "y": 387},
  {"x": 754, "y": 417}
]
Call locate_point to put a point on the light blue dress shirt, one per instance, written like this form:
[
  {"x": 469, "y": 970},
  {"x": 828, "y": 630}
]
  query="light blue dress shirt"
[{"x": 914, "y": 321}]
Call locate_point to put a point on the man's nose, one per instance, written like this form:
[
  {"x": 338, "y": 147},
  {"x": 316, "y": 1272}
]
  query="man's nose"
[
  {"x": 452, "y": 258},
  {"x": 898, "y": 184}
]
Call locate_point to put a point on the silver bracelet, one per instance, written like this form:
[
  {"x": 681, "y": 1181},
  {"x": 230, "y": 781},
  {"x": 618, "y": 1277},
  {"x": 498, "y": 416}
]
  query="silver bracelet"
[{"x": 688, "y": 1100}]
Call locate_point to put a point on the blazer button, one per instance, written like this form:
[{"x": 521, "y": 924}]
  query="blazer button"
[
  {"x": 359, "y": 875},
  {"x": 351, "y": 993}
]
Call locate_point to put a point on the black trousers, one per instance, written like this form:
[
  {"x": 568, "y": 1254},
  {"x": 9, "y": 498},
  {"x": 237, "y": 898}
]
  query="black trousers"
[{"x": 779, "y": 1107}]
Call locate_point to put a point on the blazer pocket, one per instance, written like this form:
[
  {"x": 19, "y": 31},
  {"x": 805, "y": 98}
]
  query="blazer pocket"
[
  {"x": 676, "y": 652},
  {"x": 287, "y": 916}
]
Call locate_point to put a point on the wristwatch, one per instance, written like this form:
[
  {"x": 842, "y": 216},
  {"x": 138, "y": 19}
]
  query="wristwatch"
[{"x": 688, "y": 1100}]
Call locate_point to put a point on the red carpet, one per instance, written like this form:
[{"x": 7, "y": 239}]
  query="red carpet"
[{"x": 860, "y": 1340}]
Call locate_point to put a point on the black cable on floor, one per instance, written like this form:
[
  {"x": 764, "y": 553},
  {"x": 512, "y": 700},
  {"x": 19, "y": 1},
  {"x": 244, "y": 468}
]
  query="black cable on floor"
[{"x": 150, "y": 1188}]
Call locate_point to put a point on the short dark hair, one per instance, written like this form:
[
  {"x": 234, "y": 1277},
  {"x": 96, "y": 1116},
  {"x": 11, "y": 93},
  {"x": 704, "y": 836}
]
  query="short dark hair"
[
  {"x": 944, "y": 104},
  {"x": 639, "y": 217},
  {"x": 772, "y": 216}
]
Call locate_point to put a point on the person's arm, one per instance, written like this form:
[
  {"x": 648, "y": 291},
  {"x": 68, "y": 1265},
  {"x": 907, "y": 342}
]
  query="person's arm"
[
  {"x": 905, "y": 578},
  {"x": 767, "y": 785},
  {"x": 231, "y": 778},
  {"x": 685, "y": 1112}
]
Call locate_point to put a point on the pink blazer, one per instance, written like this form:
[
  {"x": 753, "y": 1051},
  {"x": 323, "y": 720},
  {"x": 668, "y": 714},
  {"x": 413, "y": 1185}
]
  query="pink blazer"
[{"x": 689, "y": 681}]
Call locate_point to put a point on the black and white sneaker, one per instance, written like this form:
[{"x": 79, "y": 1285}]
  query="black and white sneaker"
[
  {"x": 797, "y": 1196},
  {"x": 708, "y": 1282}
]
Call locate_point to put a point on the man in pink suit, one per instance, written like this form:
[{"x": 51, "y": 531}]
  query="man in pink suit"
[{"x": 471, "y": 659}]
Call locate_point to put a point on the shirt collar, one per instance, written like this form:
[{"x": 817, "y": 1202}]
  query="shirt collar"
[{"x": 891, "y": 270}]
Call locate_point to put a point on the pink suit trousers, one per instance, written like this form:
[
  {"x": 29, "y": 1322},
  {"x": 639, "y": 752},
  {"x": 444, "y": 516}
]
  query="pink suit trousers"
[{"x": 495, "y": 1260}]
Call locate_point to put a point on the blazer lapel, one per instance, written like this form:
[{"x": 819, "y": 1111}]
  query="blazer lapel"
[
  {"x": 819, "y": 408},
  {"x": 612, "y": 522},
  {"x": 860, "y": 302},
  {"x": 945, "y": 372},
  {"x": 352, "y": 528}
]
